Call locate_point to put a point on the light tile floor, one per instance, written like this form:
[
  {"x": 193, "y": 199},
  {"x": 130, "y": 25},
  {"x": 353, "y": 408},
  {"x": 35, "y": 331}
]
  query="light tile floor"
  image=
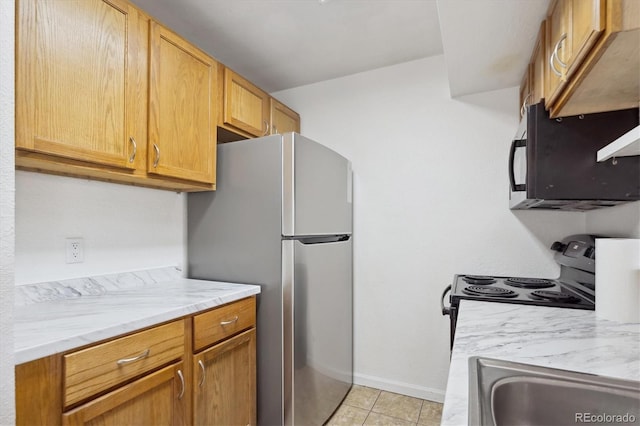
[{"x": 369, "y": 406}]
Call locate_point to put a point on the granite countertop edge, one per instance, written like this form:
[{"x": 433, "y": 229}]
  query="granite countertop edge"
[
  {"x": 569, "y": 339},
  {"x": 55, "y": 326}
]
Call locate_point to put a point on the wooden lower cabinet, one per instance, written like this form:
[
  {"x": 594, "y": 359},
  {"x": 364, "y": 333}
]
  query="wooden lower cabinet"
[
  {"x": 150, "y": 377},
  {"x": 156, "y": 399},
  {"x": 225, "y": 382}
]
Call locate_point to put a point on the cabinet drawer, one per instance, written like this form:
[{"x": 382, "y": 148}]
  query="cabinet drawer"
[
  {"x": 95, "y": 369},
  {"x": 220, "y": 323}
]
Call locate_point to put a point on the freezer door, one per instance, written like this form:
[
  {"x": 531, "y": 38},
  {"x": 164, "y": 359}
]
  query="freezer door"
[
  {"x": 316, "y": 190},
  {"x": 318, "y": 329}
]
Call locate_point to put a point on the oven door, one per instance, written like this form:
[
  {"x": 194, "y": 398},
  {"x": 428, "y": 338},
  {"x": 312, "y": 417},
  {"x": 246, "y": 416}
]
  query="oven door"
[{"x": 518, "y": 166}]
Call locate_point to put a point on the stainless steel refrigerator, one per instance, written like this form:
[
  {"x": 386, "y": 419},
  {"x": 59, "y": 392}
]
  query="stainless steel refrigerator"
[{"x": 281, "y": 217}]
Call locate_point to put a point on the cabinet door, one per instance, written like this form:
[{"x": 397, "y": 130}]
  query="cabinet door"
[
  {"x": 283, "y": 119},
  {"x": 574, "y": 28},
  {"x": 78, "y": 68},
  {"x": 182, "y": 127},
  {"x": 525, "y": 90},
  {"x": 538, "y": 67},
  {"x": 246, "y": 107},
  {"x": 156, "y": 399},
  {"x": 225, "y": 382},
  {"x": 558, "y": 48},
  {"x": 588, "y": 22}
]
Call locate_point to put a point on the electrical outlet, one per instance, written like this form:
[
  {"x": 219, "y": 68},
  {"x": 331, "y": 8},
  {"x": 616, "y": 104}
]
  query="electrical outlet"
[{"x": 74, "y": 250}]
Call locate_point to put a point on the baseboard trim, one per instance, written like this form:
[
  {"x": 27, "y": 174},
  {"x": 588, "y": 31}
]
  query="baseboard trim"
[{"x": 416, "y": 391}]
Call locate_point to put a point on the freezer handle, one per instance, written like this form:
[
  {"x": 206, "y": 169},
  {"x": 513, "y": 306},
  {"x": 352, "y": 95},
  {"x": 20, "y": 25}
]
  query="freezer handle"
[{"x": 320, "y": 239}]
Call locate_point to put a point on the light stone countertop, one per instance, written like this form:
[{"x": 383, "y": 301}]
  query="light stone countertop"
[
  {"x": 569, "y": 339},
  {"x": 47, "y": 327}
]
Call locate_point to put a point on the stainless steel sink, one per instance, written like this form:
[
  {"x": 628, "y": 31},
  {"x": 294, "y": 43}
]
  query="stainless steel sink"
[{"x": 511, "y": 393}]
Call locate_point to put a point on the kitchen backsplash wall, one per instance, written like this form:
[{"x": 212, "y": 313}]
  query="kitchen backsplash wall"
[
  {"x": 7, "y": 211},
  {"x": 430, "y": 200},
  {"x": 619, "y": 221},
  {"x": 124, "y": 228}
]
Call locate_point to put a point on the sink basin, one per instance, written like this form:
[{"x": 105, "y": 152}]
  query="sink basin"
[{"x": 511, "y": 393}]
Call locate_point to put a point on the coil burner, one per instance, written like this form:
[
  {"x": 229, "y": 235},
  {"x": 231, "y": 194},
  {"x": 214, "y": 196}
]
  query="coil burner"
[
  {"x": 498, "y": 292},
  {"x": 535, "y": 283},
  {"x": 479, "y": 280}
]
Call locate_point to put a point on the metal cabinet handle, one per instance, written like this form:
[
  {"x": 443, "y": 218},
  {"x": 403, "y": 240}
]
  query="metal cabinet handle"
[
  {"x": 560, "y": 45},
  {"x": 124, "y": 361},
  {"x": 157, "y": 159},
  {"x": 266, "y": 128},
  {"x": 275, "y": 129},
  {"x": 524, "y": 104},
  {"x": 554, "y": 57},
  {"x": 181, "y": 394},
  {"x": 135, "y": 149},
  {"x": 553, "y": 66},
  {"x": 201, "y": 364},
  {"x": 235, "y": 319}
]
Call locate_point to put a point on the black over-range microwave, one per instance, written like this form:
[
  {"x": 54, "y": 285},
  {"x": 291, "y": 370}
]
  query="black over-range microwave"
[{"x": 553, "y": 166}]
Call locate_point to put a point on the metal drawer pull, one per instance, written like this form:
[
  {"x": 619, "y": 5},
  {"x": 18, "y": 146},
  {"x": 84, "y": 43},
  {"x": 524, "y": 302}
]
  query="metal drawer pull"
[
  {"x": 157, "y": 159},
  {"x": 235, "y": 319},
  {"x": 124, "y": 361},
  {"x": 266, "y": 127},
  {"x": 201, "y": 364},
  {"x": 181, "y": 394},
  {"x": 135, "y": 149}
]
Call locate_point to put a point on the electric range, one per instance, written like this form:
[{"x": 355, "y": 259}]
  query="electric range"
[{"x": 574, "y": 289}]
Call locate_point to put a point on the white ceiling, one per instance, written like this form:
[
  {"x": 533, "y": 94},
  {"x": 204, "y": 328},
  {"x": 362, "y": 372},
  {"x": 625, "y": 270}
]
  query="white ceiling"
[{"x": 280, "y": 44}]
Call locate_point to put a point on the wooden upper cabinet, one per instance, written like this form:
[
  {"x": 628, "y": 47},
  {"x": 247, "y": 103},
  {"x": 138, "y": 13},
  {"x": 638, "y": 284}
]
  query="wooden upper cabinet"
[
  {"x": 283, "y": 118},
  {"x": 558, "y": 47},
  {"x": 607, "y": 78},
  {"x": 525, "y": 90},
  {"x": 245, "y": 106},
  {"x": 182, "y": 119},
  {"x": 538, "y": 67},
  {"x": 574, "y": 28},
  {"x": 533, "y": 81},
  {"x": 588, "y": 20},
  {"x": 79, "y": 87}
]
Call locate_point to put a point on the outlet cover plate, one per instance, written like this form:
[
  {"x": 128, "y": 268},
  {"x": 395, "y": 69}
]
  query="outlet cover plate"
[{"x": 74, "y": 250}]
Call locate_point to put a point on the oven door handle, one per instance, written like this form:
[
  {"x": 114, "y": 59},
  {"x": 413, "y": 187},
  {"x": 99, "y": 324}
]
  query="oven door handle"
[
  {"x": 516, "y": 143},
  {"x": 446, "y": 310}
]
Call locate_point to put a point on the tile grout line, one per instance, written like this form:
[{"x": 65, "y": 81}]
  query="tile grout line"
[{"x": 372, "y": 405}]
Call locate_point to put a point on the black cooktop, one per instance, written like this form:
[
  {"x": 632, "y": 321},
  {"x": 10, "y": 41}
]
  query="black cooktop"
[{"x": 528, "y": 291}]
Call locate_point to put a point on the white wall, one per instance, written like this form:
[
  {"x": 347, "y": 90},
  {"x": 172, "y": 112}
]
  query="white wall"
[
  {"x": 7, "y": 211},
  {"x": 124, "y": 228},
  {"x": 619, "y": 221},
  {"x": 430, "y": 194}
]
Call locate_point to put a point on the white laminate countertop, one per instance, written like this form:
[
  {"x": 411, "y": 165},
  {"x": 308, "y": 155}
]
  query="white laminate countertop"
[
  {"x": 49, "y": 327},
  {"x": 569, "y": 339}
]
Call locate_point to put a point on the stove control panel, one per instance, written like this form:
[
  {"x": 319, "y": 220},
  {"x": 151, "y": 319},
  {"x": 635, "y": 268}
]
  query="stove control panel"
[{"x": 576, "y": 251}]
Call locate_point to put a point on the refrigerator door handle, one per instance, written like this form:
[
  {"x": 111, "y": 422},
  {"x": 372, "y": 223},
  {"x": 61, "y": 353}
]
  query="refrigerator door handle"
[{"x": 322, "y": 239}]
